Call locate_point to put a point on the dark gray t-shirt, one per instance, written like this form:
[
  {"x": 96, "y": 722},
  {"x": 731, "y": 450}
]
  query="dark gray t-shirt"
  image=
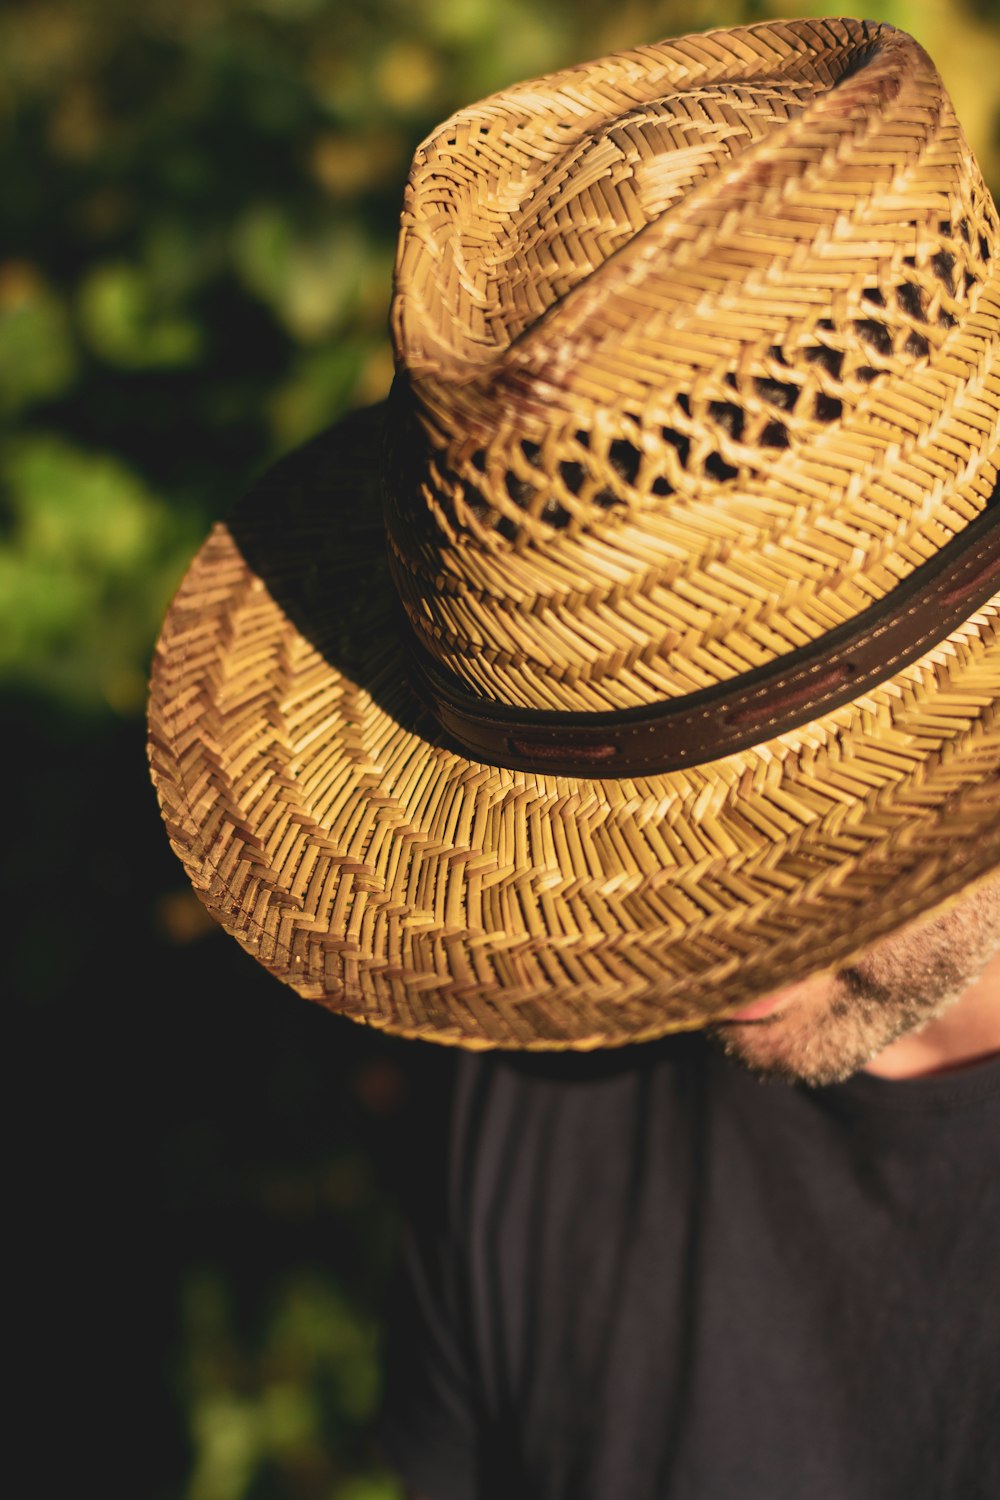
[{"x": 646, "y": 1275}]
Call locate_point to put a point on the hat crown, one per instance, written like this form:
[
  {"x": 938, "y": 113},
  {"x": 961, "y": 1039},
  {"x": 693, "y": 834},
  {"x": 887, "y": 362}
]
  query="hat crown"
[{"x": 695, "y": 352}]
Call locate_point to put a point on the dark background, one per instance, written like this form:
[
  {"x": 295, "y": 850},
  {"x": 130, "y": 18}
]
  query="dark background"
[{"x": 199, "y": 209}]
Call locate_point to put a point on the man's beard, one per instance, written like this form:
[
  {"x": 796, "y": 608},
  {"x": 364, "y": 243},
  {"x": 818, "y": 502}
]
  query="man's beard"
[{"x": 906, "y": 980}]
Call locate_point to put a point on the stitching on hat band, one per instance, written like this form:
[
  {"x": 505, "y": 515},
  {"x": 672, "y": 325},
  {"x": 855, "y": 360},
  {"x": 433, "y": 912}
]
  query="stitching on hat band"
[{"x": 795, "y": 688}]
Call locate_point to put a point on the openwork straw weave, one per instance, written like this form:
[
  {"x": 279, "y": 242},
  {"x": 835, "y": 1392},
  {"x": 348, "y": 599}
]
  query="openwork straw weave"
[{"x": 698, "y": 356}]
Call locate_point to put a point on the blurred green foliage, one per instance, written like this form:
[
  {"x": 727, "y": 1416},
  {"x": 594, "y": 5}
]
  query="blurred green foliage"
[
  {"x": 200, "y": 202},
  {"x": 316, "y": 1379}
]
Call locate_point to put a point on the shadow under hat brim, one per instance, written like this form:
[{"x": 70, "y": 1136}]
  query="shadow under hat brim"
[{"x": 327, "y": 824}]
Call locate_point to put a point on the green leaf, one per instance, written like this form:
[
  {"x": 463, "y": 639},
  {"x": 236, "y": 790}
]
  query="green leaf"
[
  {"x": 38, "y": 357},
  {"x": 88, "y": 560},
  {"x": 127, "y": 322},
  {"x": 312, "y": 280}
]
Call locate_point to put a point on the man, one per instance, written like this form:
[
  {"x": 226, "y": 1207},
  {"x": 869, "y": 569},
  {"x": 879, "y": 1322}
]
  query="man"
[
  {"x": 643, "y": 696},
  {"x": 648, "y": 1273}
]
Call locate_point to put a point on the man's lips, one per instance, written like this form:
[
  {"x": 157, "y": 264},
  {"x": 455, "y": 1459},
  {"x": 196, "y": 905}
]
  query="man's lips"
[
  {"x": 815, "y": 991},
  {"x": 756, "y": 1010}
]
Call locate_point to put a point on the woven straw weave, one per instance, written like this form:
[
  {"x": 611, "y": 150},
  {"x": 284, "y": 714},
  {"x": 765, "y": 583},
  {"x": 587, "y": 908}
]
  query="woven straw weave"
[
  {"x": 697, "y": 354},
  {"x": 710, "y": 364}
]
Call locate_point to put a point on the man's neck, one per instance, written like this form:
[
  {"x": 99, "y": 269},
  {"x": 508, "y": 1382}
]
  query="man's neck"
[{"x": 966, "y": 1033}]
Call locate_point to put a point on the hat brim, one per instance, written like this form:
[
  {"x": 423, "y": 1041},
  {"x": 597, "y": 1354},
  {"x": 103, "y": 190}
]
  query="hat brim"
[{"x": 329, "y": 827}]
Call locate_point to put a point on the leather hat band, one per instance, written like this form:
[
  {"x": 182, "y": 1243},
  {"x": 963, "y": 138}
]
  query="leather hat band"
[{"x": 796, "y": 687}]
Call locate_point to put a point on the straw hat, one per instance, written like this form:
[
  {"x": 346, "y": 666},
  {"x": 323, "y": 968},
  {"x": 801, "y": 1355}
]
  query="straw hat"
[{"x": 640, "y": 653}]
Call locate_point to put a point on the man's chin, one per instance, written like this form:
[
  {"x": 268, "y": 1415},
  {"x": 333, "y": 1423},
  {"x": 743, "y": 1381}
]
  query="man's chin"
[
  {"x": 776, "y": 1048},
  {"x": 822, "y": 1029}
]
